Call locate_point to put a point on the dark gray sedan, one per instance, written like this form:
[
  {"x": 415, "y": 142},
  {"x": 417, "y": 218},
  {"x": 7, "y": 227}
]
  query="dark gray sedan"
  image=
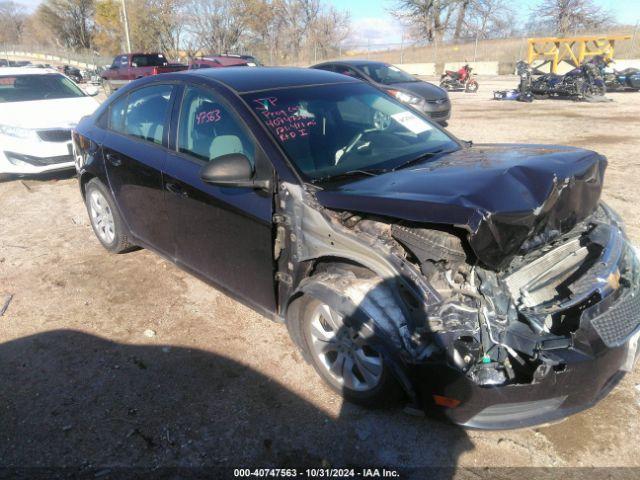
[{"x": 423, "y": 96}]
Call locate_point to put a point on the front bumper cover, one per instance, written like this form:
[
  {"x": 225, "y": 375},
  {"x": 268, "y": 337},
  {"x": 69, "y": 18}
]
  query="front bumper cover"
[
  {"x": 438, "y": 111},
  {"x": 19, "y": 156}
]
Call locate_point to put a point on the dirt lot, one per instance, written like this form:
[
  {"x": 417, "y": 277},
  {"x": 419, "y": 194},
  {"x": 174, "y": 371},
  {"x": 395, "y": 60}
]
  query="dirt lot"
[{"x": 82, "y": 384}]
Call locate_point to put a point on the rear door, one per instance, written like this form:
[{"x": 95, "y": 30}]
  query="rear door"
[
  {"x": 221, "y": 233},
  {"x": 134, "y": 151}
]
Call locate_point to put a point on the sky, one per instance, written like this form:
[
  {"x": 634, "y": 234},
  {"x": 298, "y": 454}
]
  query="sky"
[{"x": 373, "y": 23}]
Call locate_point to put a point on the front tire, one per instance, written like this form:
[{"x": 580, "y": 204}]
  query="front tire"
[
  {"x": 342, "y": 355},
  {"x": 472, "y": 86},
  {"x": 105, "y": 219}
]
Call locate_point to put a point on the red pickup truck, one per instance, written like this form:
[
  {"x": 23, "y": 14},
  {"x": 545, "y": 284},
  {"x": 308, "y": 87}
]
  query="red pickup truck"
[{"x": 132, "y": 66}]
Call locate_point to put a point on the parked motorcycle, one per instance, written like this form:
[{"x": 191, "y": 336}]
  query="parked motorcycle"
[
  {"x": 72, "y": 72},
  {"x": 93, "y": 76},
  {"x": 462, "y": 80},
  {"x": 623, "y": 80},
  {"x": 582, "y": 83},
  {"x": 617, "y": 80},
  {"x": 523, "y": 92}
]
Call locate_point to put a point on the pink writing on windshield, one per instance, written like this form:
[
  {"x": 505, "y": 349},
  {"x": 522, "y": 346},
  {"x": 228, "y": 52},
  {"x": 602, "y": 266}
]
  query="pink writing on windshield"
[
  {"x": 288, "y": 123},
  {"x": 264, "y": 104}
]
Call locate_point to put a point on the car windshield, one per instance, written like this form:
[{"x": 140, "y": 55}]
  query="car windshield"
[
  {"x": 27, "y": 88},
  {"x": 386, "y": 74},
  {"x": 331, "y": 130}
]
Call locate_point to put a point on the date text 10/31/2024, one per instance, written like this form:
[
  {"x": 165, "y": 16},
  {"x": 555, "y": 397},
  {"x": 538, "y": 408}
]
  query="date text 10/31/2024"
[{"x": 316, "y": 473}]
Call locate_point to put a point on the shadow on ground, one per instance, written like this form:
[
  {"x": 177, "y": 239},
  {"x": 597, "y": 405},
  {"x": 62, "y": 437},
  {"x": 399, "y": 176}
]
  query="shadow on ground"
[{"x": 75, "y": 400}]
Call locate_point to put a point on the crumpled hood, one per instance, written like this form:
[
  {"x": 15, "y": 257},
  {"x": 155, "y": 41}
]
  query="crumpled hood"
[
  {"x": 55, "y": 113},
  {"x": 501, "y": 194}
]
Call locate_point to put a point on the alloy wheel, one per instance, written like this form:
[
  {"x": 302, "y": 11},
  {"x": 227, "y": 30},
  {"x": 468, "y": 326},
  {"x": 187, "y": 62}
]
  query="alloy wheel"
[
  {"x": 101, "y": 216},
  {"x": 343, "y": 352}
]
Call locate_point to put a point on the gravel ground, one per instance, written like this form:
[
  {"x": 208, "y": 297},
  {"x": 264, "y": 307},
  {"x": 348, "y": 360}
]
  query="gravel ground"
[{"x": 125, "y": 360}]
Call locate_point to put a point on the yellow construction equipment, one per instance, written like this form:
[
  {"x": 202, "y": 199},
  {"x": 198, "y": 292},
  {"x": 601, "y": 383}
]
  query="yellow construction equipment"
[{"x": 573, "y": 50}]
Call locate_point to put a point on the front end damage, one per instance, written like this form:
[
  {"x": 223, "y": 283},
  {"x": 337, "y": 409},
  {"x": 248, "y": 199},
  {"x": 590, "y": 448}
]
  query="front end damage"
[{"x": 545, "y": 336}]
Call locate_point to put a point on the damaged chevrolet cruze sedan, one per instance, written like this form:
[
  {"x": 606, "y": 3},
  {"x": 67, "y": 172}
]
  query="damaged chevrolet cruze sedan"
[{"x": 485, "y": 282}]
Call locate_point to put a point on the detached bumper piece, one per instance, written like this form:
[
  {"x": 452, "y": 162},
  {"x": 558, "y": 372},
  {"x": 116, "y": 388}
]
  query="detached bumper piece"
[{"x": 18, "y": 158}]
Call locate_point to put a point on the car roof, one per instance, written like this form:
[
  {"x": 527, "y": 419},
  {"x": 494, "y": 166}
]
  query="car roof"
[
  {"x": 355, "y": 63},
  {"x": 242, "y": 79},
  {"x": 26, "y": 71}
]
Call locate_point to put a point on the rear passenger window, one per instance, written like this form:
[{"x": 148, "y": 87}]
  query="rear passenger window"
[
  {"x": 208, "y": 130},
  {"x": 116, "y": 114},
  {"x": 147, "y": 112}
]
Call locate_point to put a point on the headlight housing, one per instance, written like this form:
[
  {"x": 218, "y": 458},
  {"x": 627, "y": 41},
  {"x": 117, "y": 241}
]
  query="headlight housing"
[
  {"x": 405, "y": 97},
  {"x": 18, "y": 132}
]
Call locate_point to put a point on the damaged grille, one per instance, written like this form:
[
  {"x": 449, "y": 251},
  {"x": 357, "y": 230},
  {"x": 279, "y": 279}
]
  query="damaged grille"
[
  {"x": 536, "y": 283},
  {"x": 619, "y": 321},
  {"x": 570, "y": 273}
]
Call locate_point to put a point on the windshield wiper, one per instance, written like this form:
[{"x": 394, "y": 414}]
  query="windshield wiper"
[
  {"x": 424, "y": 156},
  {"x": 350, "y": 173}
]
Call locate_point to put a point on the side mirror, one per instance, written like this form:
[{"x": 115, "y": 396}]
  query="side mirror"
[
  {"x": 91, "y": 90},
  {"x": 232, "y": 170}
]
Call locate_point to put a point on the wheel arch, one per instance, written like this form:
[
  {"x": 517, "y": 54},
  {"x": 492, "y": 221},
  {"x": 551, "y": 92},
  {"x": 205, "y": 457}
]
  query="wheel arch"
[
  {"x": 330, "y": 280},
  {"x": 85, "y": 177}
]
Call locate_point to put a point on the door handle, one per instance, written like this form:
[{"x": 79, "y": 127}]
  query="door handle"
[
  {"x": 177, "y": 190},
  {"x": 113, "y": 159}
]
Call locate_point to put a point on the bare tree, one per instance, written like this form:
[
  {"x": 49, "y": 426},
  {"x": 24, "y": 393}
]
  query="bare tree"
[
  {"x": 71, "y": 21},
  {"x": 218, "y": 25},
  {"x": 428, "y": 19},
  {"x": 564, "y": 17},
  {"x": 12, "y": 22},
  {"x": 329, "y": 28},
  {"x": 463, "y": 8},
  {"x": 491, "y": 19}
]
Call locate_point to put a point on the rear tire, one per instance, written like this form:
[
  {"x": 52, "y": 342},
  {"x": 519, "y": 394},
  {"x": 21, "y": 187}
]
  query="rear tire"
[
  {"x": 343, "y": 356},
  {"x": 105, "y": 219}
]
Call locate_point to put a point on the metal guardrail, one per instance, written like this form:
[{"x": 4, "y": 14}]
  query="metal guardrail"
[
  {"x": 44, "y": 58},
  {"x": 87, "y": 59}
]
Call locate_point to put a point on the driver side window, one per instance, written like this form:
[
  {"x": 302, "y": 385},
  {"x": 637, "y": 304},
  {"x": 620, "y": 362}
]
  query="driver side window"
[{"x": 207, "y": 129}]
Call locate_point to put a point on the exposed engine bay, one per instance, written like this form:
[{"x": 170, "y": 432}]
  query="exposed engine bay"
[
  {"x": 496, "y": 326},
  {"x": 503, "y": 326}
]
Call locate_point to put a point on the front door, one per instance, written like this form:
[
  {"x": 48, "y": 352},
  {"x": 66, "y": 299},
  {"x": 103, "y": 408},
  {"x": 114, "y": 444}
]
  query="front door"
[
  {"x": 221, "y": 233},
  {"x": 134, "y": 155}
]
